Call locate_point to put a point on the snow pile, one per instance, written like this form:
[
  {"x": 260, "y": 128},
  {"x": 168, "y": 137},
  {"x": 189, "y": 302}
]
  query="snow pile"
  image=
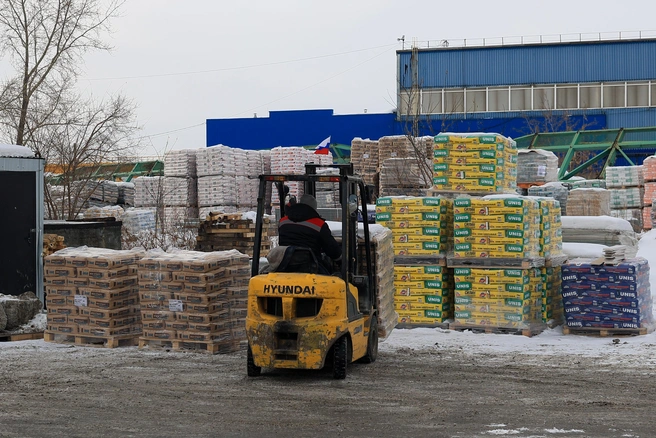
[{"x": 15, "y": 151}]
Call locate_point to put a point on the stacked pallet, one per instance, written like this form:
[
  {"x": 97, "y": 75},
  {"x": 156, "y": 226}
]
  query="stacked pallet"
[
  {"x": 404, "y": 176},
  {"x": 555, "y": 190},
  {"x": 551, "y": 234},
  {"x": 423, "y": 294},
  {"x": 148, "y": 191},
  {"x": 504, "y": 227},
  {"x": 601, "y": 296},
  {"x": 626, "y": 185},
  {"x": 500, "y": 298},
  {"x": 180, "y": 163},
  {"x": 224, "y": 232},
  {"x": 536, "y": 166},
  {"x": 484, "y": 163},
  {"x": 217, "y": 184},
  {"x": 126, "y": 193},
  {"x": 292, "y": 160},
  {"x": 588, "y": 202},
  {"x": 136, "y": 220},
  {"x": 180, "y": 193},
  {"x": 420, "y": 225},
  {"x": 92, "y": 296},
  {"x": 404, "y": 146},
  {"x": 649, "y": 176},
  {"x": 364, "y": 156},
  {"x": 194, "y": 301}
]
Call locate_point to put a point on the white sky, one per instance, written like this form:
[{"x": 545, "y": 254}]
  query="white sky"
[{"x": 261, "y": 55}]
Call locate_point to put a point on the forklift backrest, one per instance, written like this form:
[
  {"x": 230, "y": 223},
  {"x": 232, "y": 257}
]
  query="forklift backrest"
[{"x": 298, "y": 259}]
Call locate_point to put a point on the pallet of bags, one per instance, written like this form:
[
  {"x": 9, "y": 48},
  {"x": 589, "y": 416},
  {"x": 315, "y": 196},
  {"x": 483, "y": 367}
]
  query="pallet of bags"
[
  {"x": 92, "y": 297},
  {"x": 216, "y": 160},
  {"x": 194, "y": 301},
  {"x": 536, "y": 166},
  {"x": 180, "y": 163},
  {"x": 148, "y": 191},
  {"x": 624, "y": 176}
]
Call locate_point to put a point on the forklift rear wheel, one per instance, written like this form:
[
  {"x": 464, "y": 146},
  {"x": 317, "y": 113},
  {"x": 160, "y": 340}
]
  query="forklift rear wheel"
[
  {"x": 251, "y": 369},
  {"x": 340, "y": 358},
  {"x": 372, "y": 342}
]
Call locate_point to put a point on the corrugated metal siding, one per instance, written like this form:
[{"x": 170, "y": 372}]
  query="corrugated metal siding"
[
  {"x": 631, "y": 118},
  {"x": 532, "y": 64}
]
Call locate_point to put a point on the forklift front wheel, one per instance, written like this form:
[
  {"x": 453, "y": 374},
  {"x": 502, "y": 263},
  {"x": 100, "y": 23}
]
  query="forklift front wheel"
[
  {"x": 372, "y": 342},
  {"x": 251, "y": 369}
]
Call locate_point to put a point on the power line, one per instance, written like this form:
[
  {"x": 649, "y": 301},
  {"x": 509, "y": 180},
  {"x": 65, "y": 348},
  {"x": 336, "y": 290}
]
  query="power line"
[{"x": 237, "y": 68}]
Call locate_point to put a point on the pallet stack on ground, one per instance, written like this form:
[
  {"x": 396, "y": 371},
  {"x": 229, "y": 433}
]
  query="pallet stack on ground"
[
  {"x": 180, "y": 193},
  {"x": 404, "y": 165},
  {"x": 485, "y": 163},
  {"x": 420, "y": 229},
  {"x": 588, "y": 202},
  {"x": 194, "y": 301},
  {"x": 551, "y": 233},
  {"x": 552, "y": 300},
  {"x": 555, "y": 190},
  {"x": 626, "y": 186},
  {"x": 92, "y": 296},
  {"x": 364, "y": 156},
  {"x": 649, "y": 176},
  {"x": 224, "y": 232},
  {"x": 536, "y": 167},
  {"x": 613, "y": 298}
]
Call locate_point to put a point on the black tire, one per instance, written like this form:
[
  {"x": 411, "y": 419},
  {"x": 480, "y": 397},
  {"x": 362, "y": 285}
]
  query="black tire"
[
  {"x": 340, "y": 357},
  {"x": 251, "y": 369},
  {"x": 372, "y": 342}
]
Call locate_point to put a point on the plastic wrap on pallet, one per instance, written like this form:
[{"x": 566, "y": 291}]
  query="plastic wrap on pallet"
[
  {"x": 126, "y": 193},
  {"x": 180, "y": 163},
  {"x": 536, "y": 166},
  {"x": 136, "y": 220},
  {"x": 588, "y": 202},
  {"x": 180, "y": 192},
  {"x": 607, "y": 296},
  {"x": 409, "y": 174},
  {"x": 649, "y": 168},
  {"x": 475, "y": 163},
  {"x": 217, "y": 190},
  {"x": 626, "y": 198},
  {"x": 365, "y": 159},
  {"x": 114, "y": 211},
  {"x": 632, "y": 215},
  {"x": 148, "y": 191},
  {"x": 587, "y": 184},
  {"x": 556, "y": 190},
  {"x": 624, "y": 176},
  {"x": 216, "y": 160}
]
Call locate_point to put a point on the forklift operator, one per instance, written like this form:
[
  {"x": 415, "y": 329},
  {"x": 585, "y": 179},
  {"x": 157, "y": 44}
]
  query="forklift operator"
[{"x": 304, "y": 227}]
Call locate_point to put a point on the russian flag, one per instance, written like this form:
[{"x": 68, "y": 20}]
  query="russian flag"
[{"x": 323, "y": 148}]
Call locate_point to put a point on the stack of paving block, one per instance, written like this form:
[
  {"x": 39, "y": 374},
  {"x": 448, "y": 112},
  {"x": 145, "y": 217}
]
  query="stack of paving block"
[
  {"x": 420, "y": 225},
  {"x": 92, "y": 293},
  {"x": 504, "y": 298},
  {"x": 588, "y": 202},
  {"x": 475, "y": 163},
  {"x": 607, "y": 296},
  {"x": 552, "y": 300},
  {"x": 496, "y": 227},
  {"x": 626, "y": 185},
  {"x": 194, "y": 300},
  {"x": 536, "y": 166},
  {"x": 556, "y": 190},
  {"x": 382, "y": 259},
  {"x": 649, "y": 176},
  {"x": 423, "y": 294},
  {"x": 551, "y": 233},
  {"x": 219, "y": 232},
  {"x": 364, "y": 156}
]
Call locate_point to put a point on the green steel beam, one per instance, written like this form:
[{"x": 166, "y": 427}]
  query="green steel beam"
[
  {"x": 586, "y": 164},
  {"x": 568, "y": 158}
]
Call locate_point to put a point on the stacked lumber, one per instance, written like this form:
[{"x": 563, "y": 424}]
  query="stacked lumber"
[
  {"x": 222, "y": 232},
  {"x": 588, "y": 202},
  {"x": 485, "y": 163},
  {"x": 194, "y": 300},
  {"x": 92, "y": 296},
  {"x": 52, "y": 243}
]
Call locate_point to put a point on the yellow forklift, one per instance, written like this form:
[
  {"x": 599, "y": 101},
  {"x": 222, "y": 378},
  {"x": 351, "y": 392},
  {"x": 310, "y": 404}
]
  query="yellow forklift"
[{"x": 300, "y": 319}]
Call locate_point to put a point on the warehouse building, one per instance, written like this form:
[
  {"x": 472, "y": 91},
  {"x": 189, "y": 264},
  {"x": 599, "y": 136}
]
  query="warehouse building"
[{"x": 511, "y": 86}]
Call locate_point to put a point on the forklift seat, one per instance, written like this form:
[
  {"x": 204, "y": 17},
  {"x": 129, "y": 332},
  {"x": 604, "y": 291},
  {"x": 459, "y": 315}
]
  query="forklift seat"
[{"x": 298, "y": 259}]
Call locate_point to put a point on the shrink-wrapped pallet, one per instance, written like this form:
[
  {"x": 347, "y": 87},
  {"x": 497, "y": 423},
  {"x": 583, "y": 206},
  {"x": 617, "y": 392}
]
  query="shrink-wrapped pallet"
[
  {"x": 404, "y": 176},
  {"x": 588, "y": 202},
  {"x": 180, "y": 192},
  {"x": 587, "y": 184},
  {"x": 475, "y": 163},
  {"x": 180, "y": 163},
  {"x": 136, "y": 220},
  {"x": 148, "y": 191},
  {"x": 626, "y": 198},
  {"x": 649, "y": 168},
  {"x": 552, "y": 300},
  {"x": 536, "y": 166},
  {"x": 556, "y": 190},
  {"x": 551, "y": 237},
  {"x": 624, "y": 176},
  {"x": 126, "y": 193},
  {"x": 364, "y": 156},
  {"x": 217, "y": 190},
  {"x": 114, "y": 211},
  {"x": 216, "y": 160},
  {"x": 631, "y": 215}
]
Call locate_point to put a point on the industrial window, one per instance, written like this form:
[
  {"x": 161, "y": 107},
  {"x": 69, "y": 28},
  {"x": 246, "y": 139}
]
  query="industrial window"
[
  {"x": 613, "y": 95},
  {"x": 408, "y": 103},
  {"x": 520, "y": 98},
  {"x": 497, "y": 99},
  {"x": 431, "y": 102},
  {"x": 652, "y": 95},
  {"x": 637, "y": 94},
  {"x": 567, "y": 96},
  {"x": 543, "y": 98},
  {"x": 454, "y": 101},
  {"x": 590, "y": 96},
  {"x": 475, "y": 100}
]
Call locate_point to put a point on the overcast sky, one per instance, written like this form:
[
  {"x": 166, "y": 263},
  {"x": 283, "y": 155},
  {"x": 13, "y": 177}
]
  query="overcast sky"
[{"x": 186, "y": 61}]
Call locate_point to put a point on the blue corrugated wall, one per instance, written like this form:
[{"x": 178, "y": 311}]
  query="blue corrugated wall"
[{"x": 531, "y": 64}]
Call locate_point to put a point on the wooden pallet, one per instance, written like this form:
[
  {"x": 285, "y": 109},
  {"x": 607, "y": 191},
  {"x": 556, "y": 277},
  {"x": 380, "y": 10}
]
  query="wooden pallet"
[
  {"x": 442, "y": 325},
  {"x": 177, "y": 345},
  {"x": 494, "y": 262},
  {"x": 11, "y": 337},
  {"x": 91, "y": 341},
  {"x": 436, "y": 260},
  {"x": 605, "y": 332},
  {"x": 533, "y": 330}
]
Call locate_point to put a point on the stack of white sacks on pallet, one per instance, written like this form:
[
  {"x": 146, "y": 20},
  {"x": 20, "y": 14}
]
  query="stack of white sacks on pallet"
[
  {"x": 228, "y": 178},
  {"x": 180, "y": 194},
  {"x": 626, "y": 185},
  {"x": 292, "y": 160}
]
